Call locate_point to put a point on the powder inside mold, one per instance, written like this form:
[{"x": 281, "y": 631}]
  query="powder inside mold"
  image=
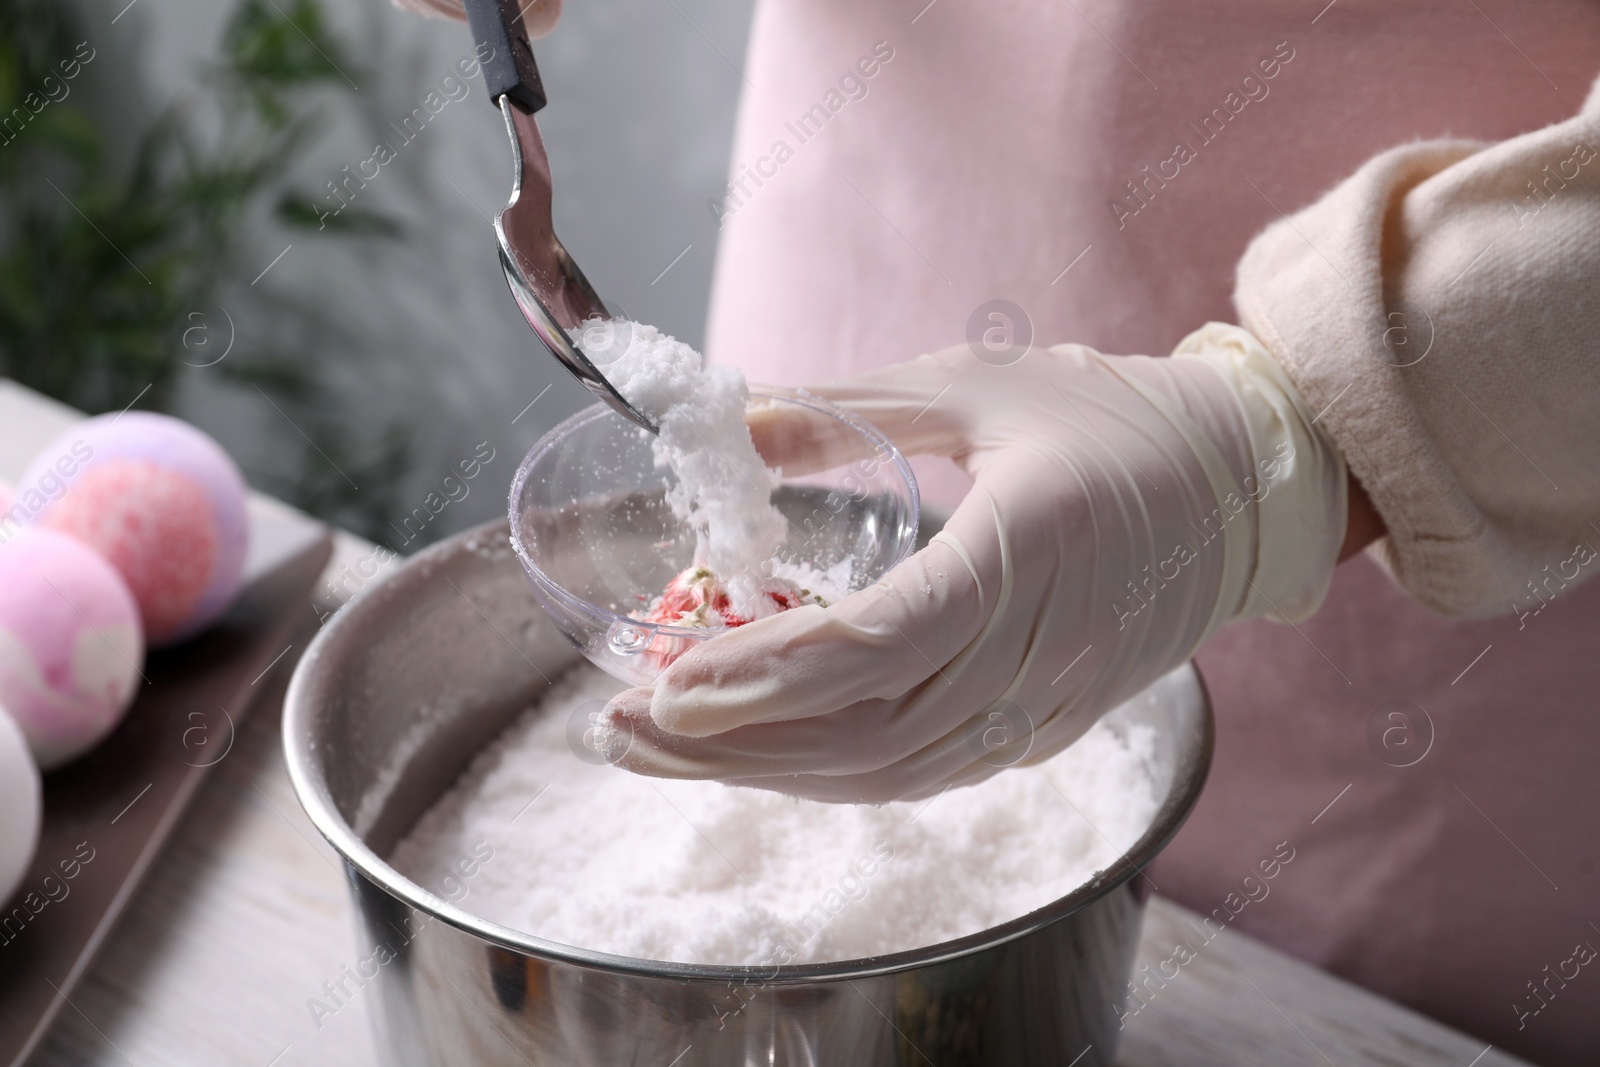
[
  {"x": 724, "y": 488},
  {"x": 700, "y": 872}
]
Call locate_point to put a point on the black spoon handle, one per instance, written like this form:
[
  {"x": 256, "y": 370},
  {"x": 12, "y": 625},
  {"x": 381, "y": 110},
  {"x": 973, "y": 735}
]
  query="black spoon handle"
[{"x": 505, "y": 54}]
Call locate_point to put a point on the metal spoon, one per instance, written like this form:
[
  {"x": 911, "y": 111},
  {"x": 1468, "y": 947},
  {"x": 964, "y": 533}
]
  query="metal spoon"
[{"x": 552, "y": 292}]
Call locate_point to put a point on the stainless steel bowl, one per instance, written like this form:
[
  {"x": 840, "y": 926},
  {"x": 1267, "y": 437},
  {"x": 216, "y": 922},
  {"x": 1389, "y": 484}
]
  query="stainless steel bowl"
[{"x": 415, "y": 675}]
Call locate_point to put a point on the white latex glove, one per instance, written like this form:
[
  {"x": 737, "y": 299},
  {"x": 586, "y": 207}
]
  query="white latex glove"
[
  {"x": 539, "y": 16},
  {"x": 1124, "y": 509}
]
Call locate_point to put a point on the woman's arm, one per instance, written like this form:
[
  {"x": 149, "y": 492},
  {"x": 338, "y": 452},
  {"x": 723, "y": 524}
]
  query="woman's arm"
[
  {"x": 1363, "y": 525},
  {"x": 1440, "y": 309}
]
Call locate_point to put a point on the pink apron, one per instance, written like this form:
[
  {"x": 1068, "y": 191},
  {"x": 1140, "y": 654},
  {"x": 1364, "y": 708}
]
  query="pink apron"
[{"x": 899, "y": 167}]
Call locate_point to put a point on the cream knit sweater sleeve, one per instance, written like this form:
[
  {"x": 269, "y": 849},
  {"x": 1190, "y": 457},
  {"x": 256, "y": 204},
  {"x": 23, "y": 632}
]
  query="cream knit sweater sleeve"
[{"x": 1440, "y": 309}]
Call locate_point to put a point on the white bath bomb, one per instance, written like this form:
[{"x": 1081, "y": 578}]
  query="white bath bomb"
[{"x": 20, "y": 806}]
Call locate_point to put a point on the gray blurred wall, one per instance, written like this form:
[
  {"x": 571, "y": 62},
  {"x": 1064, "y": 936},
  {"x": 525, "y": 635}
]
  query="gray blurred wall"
[{"x": 642, "y": 99}]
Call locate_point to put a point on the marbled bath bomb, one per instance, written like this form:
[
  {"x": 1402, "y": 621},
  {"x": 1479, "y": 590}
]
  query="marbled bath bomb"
[
  {"x": 71, "y": 646},
  {"x": 157, "y": 498}
]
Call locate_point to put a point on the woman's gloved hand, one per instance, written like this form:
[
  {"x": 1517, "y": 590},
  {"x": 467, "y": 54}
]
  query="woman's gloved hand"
[
  {"x": 1124, "y": 509},
  {"x": 539, "y": 16}
]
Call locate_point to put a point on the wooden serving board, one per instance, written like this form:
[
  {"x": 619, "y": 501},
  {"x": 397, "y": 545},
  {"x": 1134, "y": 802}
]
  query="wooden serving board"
[{"x": 107, "y": 815}]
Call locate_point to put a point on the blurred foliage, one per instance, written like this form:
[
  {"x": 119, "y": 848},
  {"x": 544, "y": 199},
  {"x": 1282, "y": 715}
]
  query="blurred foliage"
[{"x": 106, "y": 253}]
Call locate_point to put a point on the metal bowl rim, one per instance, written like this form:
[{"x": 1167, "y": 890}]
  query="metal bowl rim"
[{"x": 304, "y": 774}]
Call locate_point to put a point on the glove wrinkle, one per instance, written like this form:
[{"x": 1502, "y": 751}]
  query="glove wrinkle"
[
  {"x": 953, "y": 543},
  {"x": 1237, "y": 542},
  {"x": 1002, "y": 600},
  {"x": 1298, "y": 475}
]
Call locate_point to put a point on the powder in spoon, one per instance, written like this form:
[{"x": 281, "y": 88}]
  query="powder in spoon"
[{"x": 700, "y": 872}]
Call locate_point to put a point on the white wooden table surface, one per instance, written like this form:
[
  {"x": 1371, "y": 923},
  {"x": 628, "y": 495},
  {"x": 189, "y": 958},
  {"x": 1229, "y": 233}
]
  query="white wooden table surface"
[{"x": 246, "y": 914}]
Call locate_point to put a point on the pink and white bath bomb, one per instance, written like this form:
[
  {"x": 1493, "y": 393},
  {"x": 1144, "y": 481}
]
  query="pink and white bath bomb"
[
  {"x": 157, "y": 498},
  {"x": 70, "y": 643},
  {"x": 20, "y": 806}
]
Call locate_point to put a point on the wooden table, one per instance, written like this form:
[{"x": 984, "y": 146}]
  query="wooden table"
[{"x": 246, "y": 914}]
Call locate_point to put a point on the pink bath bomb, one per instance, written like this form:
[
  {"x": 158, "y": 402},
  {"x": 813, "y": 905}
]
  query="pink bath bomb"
[
  {"x": 71, "y": 645},
  {"x": 20, "y": 804},
  {"x": 157, "y": 498}
]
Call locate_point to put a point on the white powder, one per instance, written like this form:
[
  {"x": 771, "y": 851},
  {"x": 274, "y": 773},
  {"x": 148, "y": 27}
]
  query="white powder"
[
  {"x": 724, "y": 489},
  {"x": 698, "y": 872},
  {"x": 828, "y": 584}
]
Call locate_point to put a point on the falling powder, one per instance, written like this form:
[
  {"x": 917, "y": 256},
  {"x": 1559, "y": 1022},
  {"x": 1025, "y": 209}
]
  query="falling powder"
[
  {"x": 699, "y": 872},
  {"x": 724, "y": 488}
]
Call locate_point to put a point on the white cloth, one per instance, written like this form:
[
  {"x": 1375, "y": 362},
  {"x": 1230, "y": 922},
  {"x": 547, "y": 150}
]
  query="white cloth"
[{"x": 1440, "y": 310}]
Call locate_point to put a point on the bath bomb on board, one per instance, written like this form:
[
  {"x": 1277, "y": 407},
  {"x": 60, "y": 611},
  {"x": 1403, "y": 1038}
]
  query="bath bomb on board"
[
  {"x": 20, "y": 806},
  {"x": 157, "y": 498},
  {"x": 70, "y": 643}
]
